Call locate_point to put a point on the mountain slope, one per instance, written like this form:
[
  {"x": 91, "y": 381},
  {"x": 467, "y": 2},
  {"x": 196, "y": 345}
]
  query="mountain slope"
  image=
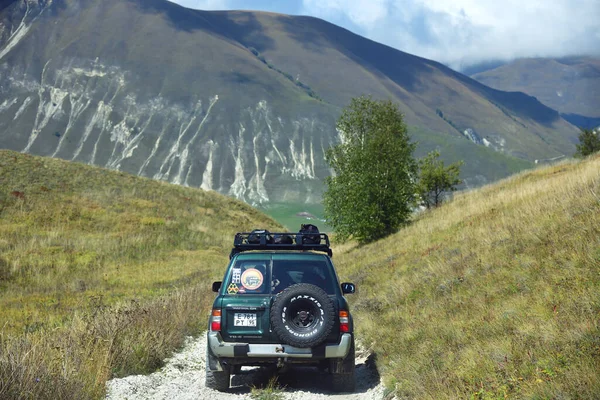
[
  {"x": 91, "y": 230},
  {"x": 493, "y": 295},
  {"x": 239, "y": 102},
  {"x": 568, "y": 85}
]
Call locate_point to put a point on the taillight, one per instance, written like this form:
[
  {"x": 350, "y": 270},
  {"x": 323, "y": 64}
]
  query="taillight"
[
  {"x": 344, "y": 321},
  {"x": 215, "y": 320}
]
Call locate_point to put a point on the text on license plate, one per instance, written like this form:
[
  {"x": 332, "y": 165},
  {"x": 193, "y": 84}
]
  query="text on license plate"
[{"x": 244, "y": 319}]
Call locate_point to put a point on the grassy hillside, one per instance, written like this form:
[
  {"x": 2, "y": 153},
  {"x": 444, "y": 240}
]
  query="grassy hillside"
[
  {"x": 102, "y": 273},
  {"x": 495, "y": 295}
]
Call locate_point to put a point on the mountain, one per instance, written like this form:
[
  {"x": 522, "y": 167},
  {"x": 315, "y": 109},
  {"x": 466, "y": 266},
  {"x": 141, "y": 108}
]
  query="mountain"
[
  {"x": 244, "y": 103},
  {"x": 569, "y": 85}
]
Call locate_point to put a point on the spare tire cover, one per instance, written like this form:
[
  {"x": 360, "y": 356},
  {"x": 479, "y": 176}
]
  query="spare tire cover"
[{"x": 303, "y": 315}]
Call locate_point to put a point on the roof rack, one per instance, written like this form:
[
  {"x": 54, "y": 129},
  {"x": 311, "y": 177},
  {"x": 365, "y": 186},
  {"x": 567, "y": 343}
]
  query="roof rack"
[{"x": 265, "y": 241}]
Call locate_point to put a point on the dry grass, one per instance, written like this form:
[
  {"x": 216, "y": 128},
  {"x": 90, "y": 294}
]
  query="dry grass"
[
  {"x": 102, "y": 273},
  {"x": 76, "y": 359},
  {"x": 495, "y": 295}
]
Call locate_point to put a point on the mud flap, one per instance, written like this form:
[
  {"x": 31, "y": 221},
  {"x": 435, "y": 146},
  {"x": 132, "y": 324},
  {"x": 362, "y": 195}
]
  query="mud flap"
[
  {"x": 343, "y": 365},
  {"x": 213, "y": 363},
  {"x": 339, "y": 366}
]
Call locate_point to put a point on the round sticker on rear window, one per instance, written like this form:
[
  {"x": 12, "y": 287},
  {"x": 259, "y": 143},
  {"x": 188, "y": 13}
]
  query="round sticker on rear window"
[{"x": 252, "y": 279}]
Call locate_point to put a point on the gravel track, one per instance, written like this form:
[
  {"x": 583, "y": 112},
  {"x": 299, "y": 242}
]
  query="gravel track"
[{"x": 182, "y": 377}]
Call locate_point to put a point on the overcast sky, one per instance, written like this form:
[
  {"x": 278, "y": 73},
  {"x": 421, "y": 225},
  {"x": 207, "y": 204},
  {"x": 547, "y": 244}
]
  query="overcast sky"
[{"x": 458, "y": 33}]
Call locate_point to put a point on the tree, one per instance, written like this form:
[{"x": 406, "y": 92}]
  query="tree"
[
  {"x": 435, "y": 179},
  {"x": 372, "y": 190},
  {"x": 589, "y": 142}
]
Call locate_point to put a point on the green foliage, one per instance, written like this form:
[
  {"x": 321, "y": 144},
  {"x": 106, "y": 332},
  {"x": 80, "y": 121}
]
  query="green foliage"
[
  {"x": 440, "y": 114},
  {"x": 271, "y": 391},
  {"x": 435, "y": 179},
  {"x": 371, "y": 194},
  {"x": 589, "y": 142},
  {"x": 301, "y": 85}
]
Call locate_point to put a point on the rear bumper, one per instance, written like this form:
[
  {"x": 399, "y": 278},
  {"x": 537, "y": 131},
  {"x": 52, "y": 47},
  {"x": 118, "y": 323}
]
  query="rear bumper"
[{"x": 249, "y": 350}]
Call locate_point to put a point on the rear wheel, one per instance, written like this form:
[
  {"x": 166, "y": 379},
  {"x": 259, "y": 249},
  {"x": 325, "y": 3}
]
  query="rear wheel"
[
  {"x": 342, "y": 377},
  {"x": 218, "y": 380}
]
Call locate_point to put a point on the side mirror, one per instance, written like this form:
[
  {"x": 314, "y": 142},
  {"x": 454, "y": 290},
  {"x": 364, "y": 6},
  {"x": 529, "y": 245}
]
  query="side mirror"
[
  {"x": 216, "y": 286},
  {"x": 348, "y": 288}
]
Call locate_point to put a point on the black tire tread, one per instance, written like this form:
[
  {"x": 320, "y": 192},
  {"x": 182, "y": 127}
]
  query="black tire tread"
[
  {"x": 217, "y": 380},
  {"x": 298, "y": 289},
  {"x": 345, "y": 382}
]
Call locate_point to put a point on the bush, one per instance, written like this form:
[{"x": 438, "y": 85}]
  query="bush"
[
  {"x": 589, "y": 142},
  {"x": 435, "y": 179}
]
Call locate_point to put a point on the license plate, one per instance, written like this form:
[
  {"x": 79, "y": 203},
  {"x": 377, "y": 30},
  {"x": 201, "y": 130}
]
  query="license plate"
[{"x": 244, "y": 319}]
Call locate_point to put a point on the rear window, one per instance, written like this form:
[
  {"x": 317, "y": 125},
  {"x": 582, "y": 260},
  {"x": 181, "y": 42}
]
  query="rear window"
[
  {"x": 259, "y": 277},
  {"x": 290, "y": 272},
  {"x": 249, "y": 277}
]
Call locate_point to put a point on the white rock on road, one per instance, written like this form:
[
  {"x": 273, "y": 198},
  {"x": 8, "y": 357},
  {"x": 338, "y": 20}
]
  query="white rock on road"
[{"x": 182, "y": 377}]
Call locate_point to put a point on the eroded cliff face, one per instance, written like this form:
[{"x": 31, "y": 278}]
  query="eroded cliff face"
[
  {"x": 17, "y": 19},
  {"x": 84, "y": 111},
  {"x": 88, "y": 111}
]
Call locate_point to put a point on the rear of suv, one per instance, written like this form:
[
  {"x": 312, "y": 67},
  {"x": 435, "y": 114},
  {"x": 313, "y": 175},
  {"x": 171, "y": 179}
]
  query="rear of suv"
[{"x": 280, "y": 303}]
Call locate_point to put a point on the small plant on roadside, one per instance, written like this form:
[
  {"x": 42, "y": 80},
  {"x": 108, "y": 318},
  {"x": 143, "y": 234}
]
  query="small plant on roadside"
[{"x": 271, "y": 391}]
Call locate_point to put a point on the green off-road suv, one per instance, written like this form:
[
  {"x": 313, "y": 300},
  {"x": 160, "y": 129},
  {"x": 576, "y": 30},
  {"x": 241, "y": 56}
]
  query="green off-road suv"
[{"x": 280, "y": 304}]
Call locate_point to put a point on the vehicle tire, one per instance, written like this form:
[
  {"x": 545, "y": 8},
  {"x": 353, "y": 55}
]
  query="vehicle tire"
[
  {"x": 343, "y": 380},
  {"x": 303, "y": 315},
  {"x": 218, "y": 380}
]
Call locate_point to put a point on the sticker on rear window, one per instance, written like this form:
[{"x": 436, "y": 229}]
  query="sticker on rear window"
[
  {"x": 232, "y": 289},
  {"x": 236, "y": 276},
  {"x": 252, "y": 279}
]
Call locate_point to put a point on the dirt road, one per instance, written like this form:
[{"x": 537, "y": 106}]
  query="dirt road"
[{"x": 182, "y": 377}]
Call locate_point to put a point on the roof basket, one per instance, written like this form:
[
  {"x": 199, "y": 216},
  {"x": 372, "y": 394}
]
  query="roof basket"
[{"x": 264, "y": 240}]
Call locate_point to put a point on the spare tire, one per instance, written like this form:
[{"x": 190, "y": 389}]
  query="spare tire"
[{"x": 302, "y": 315}]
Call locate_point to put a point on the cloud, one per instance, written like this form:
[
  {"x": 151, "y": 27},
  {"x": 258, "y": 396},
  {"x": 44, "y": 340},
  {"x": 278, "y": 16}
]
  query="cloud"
[
  {"x": 204, "y": 4},
  {"x": 464, "y": 32}
]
